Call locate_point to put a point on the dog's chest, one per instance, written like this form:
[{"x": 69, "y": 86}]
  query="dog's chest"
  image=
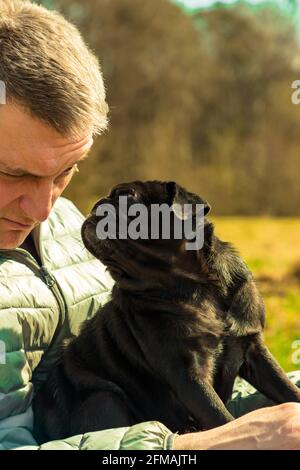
[{"x": 215, "y": 352}]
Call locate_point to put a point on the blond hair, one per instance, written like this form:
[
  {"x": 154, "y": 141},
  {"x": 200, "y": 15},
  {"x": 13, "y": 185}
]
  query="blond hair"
[{"x": 49, "y": 70}]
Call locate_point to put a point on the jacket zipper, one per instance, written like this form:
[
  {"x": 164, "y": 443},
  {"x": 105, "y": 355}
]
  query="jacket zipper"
[
  {"x": 51, "y": 282},
  {"x": 25, "y": 257},
  {"x": 47, "y": 276}
]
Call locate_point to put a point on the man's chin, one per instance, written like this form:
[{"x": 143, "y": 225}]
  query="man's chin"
[{"x": 12, "y": 239}]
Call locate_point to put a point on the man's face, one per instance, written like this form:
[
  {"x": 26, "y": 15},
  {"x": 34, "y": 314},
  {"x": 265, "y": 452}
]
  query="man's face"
[{"x": 36, "y": 164}]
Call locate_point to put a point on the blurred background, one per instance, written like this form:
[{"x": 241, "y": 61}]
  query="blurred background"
[{"x": 200, "y": 92}]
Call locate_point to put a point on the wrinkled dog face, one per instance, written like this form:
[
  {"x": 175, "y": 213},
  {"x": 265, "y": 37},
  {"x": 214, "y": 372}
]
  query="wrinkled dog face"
[{"x": 127, "y": 256}]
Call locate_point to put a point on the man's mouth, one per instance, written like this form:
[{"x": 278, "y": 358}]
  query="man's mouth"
[{"x": 16, "y": 225}]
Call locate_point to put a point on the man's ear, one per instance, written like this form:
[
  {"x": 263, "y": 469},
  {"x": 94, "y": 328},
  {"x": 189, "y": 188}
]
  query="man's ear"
[{"x": 180, "y": 196}]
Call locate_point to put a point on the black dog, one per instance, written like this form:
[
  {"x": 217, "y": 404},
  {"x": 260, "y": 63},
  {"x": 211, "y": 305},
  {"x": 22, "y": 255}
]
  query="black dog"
[{"x": 179, "y": 328}]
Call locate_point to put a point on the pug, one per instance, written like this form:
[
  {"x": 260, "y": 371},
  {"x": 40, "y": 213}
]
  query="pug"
[{"x": 180, "y": 326}]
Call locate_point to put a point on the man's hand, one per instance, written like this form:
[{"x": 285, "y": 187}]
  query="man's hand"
[{"x": 272, "y": 428}]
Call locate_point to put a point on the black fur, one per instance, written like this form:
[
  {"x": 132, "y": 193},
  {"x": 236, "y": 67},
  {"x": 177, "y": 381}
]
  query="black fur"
[{"x": 179, "y": 328}]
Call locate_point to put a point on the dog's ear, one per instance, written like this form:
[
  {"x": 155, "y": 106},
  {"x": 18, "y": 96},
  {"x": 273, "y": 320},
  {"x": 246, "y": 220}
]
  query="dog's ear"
[{"x": 179, "y": 195}]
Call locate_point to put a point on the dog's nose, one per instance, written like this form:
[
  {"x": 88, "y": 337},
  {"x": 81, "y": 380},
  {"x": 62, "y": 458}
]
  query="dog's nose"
[{"x": 101, "y": 201}]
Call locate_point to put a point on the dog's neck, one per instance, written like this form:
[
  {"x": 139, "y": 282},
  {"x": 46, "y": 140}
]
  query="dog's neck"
[
  {"x": 182, "y": 295},
  {"x": 183, "y": 305},
  {"x": 180, "y": 291}
]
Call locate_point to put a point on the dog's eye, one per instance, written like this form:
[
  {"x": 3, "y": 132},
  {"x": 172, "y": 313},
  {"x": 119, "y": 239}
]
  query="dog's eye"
[{"x": 129, "y": 193}]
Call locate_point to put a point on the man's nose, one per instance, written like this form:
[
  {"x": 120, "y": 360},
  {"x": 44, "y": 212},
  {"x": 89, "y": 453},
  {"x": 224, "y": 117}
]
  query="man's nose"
[{"x": 38, "y": 200}]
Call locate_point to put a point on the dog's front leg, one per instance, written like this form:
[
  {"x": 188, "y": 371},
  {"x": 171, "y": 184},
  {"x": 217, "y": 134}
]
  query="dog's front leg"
[
  {"x": 259, "y": 368},
  {"x": 262, "y": 371},
  {"x": 201, "y": 400}
]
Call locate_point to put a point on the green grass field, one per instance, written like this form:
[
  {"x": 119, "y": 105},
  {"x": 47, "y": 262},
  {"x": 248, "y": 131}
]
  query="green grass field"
[{"x": 271, "y": 248}]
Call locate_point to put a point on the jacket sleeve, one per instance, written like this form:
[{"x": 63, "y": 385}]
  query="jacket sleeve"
[
  {"x": 16, "y": 433},
  {"x": 151, "y": 435}
]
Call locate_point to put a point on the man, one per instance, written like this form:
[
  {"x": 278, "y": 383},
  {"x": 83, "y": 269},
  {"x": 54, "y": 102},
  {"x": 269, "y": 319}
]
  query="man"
[{"x": 54, "y": 106}]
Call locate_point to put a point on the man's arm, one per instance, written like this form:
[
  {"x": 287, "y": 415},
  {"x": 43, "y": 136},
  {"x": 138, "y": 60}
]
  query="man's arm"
[{"x": 272, "y": 428}]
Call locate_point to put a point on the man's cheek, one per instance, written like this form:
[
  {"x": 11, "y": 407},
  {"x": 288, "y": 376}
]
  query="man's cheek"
[
  {"x": 62, "y": 186},
  {"x": 7, "y": 195}
]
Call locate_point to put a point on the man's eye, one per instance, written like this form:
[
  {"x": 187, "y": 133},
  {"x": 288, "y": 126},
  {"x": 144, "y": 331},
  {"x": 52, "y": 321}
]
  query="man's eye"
[
  {"x": 69, "y": 170},
  {"x": 10, "y": 176}
]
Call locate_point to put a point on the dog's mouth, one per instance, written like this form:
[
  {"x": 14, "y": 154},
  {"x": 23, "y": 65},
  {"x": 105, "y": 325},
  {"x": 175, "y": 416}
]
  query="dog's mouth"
[
  {"x": 88, "y": 233},
  {"x": 91, "y": 240}
]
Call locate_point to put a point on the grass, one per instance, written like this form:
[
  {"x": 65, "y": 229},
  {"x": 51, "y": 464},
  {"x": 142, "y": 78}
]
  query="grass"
[{"x": 271, "y": 248}]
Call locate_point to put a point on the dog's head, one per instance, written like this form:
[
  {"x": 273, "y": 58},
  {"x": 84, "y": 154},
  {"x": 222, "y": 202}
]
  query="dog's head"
[{"x": 139, "y": 231}]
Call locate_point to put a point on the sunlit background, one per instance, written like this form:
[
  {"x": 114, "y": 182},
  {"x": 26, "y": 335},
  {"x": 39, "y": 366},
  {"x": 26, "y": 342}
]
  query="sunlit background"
[{"x": 200, "y": 92}]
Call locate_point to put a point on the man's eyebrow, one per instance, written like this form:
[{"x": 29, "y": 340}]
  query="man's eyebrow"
[
  {"x": 14, "y": 171},
  {"x": 21, "y": 172}
]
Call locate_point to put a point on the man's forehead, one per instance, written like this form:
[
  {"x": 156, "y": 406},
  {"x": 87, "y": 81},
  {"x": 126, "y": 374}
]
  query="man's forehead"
[
  {"x": 41, "y": 161},
  {"x": 16, "y": 171},
  {"x": 27, "y": 143}
]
